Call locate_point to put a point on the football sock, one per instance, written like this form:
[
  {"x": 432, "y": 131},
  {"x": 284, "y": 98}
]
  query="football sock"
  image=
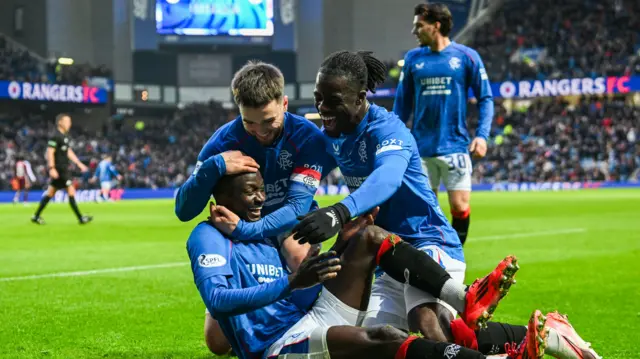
[
  {"x": 489, "y": 341},
  {"x": 43, "y": 203},
  {"x": 460, "y": 222},
  {"x": 74, "y": 207},
  {"x": 492, "y": 339},
  {"x": 419, "y": 348},
  {"x": 406, "y": 264}
]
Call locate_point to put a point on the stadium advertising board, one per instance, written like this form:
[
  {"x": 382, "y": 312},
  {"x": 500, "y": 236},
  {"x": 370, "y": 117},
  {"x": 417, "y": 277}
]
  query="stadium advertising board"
[
  {"x": 551, "y": 88},
  {"x": 91, "y": 195},
  {"x": 30, "y": 91}
]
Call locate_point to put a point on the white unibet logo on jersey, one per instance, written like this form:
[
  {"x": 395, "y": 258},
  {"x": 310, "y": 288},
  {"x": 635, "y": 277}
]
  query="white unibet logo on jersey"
[
  {"x": 211, "y": 260},
  {"x": 265, "y": 273},
  {"x": 275, "y": 192}
]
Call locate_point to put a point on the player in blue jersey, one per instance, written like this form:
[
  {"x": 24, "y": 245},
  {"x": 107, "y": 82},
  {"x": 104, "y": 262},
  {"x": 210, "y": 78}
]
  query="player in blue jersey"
[
  {"x": 434, "y": 87},
  {"x": 283, "y": 147},
  {"x": 379, "y": 159},
  {"x": 105, "y": 174},
  {"x": 264, "y": 311}
]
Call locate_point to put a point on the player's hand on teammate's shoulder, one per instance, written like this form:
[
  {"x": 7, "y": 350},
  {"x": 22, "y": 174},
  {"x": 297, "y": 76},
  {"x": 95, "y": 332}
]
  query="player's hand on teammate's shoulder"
[
  {"x": 237, "y": 162},
  {"x": 316, "y": 268},
  {"x": 223, "y": 219},
  {"x": 478, "y": 147}
]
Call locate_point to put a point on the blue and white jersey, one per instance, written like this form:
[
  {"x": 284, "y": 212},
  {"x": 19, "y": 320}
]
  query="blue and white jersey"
[
  {"x": 245, "y": 287},
  {"x": 434, "y": 86},
  {"x": 291, "y": 167},
  {"x": 381, "y": 166},
  {"x": 106, "y": 171}
]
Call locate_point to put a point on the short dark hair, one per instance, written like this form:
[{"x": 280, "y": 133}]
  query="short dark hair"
[
  {"x": 60, "y": 116},
  {"x": 432, "y": 13},
  {"x": 256, "y": 84},
  {"x": 358, "y": 67}
]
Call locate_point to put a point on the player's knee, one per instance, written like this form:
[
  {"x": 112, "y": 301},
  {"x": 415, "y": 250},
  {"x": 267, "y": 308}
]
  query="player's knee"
[
  {"x": 385, "y": 333},
  {"x": 459, "y": 201},
  {"x": 374, "y": 236}
]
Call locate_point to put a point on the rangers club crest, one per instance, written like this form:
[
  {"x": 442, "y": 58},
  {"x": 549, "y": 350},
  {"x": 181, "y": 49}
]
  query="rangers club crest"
[
  {"x": 284, "y": 160},
  {"x": 362, "y": 151}
]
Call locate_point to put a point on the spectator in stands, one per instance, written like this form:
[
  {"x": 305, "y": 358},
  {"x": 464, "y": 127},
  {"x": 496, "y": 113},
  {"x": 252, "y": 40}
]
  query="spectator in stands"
[{"x": 536, "y": 40}]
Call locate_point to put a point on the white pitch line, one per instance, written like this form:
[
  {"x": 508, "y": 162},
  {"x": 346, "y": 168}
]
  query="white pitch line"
[
  {"x": 95, "y": 271},
  {"x": 528, "y": 234},
  {"x": 177, "y": 264}
]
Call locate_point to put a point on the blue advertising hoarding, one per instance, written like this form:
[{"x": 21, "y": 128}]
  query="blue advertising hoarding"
[
  {"x": 552, "y": 88},
  {"x": 92, "y": 195},
  {"x": 29, "y": 91}
]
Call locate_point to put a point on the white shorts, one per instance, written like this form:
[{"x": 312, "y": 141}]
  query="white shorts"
[
  {"x": 453, "y": 170},
  {"x": 391, "y": 301},
  {"x": 106, "y": 185},
  {"x": 307, "y": 339}
]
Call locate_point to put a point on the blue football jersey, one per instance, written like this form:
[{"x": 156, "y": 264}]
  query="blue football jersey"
[
  {"x": 435, "y": 87},
  {"x": 106, "y": 171},
  {"x": 293, "y": 160},
  {"x": 291, "y": 167},
  {"x": 412, "y": 212},
  {"x": 218, "y": 263}
]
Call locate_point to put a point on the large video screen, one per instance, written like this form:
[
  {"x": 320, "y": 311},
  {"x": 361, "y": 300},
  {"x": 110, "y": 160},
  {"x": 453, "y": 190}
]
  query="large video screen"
[{"x": 214, "y": 17}]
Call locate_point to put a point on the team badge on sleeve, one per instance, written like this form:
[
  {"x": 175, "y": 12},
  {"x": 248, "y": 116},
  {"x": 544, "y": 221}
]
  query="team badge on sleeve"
[
  {"x": 211, "y": 260},
  {"x": 308, "y": 176}
]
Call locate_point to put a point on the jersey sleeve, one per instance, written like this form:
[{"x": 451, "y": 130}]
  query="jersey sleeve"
[
  {"x": 210, "y": 256},
  {"x": 209, "y": 252},
  {"x": 54, "y": 142},
  {"x": 113, "y": 170},
  {"x": 482, "y": 90},
  {"x": 311, "y": 165},
  {"x": 403, "y": 104},
  {"x": 193, "y": 195},
  {"x": 392, "y": 147}
]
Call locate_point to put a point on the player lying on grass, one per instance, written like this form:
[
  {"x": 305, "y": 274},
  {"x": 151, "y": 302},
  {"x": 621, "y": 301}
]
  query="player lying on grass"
[{"x": 262, "y": 309}]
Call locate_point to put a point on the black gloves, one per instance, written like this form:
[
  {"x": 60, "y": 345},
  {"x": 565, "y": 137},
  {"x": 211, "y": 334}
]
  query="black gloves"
[{"x": 320, "y": 225}]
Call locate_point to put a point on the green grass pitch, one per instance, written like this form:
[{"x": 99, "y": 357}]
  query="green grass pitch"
[{"x": 131, "y": 293}]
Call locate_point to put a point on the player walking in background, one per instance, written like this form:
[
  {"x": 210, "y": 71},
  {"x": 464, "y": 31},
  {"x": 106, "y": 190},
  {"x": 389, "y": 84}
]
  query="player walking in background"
[
  {"x": 105, "y": 173},
  {"x": 434, "y": 87},
  {"x": 58, "y": 154},
  {"x": 24, "y": 179},
  {"x": 379, "y": 159}
]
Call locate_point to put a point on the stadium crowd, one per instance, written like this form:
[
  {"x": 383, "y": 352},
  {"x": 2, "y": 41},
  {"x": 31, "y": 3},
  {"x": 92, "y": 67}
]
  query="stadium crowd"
[
  {"x": 156, "y": 156},
  {"x": 551, "y": 140},
  {"x": 18, "y": 64},
  {"x": 537, "y": 40}
]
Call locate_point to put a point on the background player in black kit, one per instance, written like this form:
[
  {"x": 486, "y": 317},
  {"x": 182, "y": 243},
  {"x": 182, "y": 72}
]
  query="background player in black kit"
[{"x": 58, "y": 155}]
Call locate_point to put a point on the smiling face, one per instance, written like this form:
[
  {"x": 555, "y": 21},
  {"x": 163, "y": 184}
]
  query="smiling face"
[
  {"x": 242, "y": 194},
  {"x": 265, "y": 123},
  {"x": 338, "y": 104}
]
